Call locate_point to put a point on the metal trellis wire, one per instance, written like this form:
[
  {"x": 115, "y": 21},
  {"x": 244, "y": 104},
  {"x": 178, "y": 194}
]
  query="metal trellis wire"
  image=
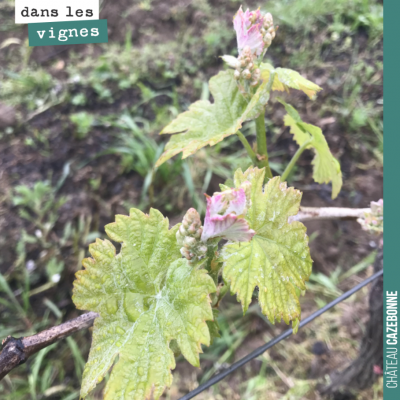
[{"x": 277, "y": 339}]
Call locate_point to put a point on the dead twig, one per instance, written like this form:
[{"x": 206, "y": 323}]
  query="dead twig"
[
  {"x": 318, "y": 213},
  {"x": 17, "y": 350}
]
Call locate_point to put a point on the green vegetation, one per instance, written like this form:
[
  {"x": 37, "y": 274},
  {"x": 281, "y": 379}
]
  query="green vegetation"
[
  {"x": 83, "y": 122},
  {"x": 84, "y": 147}
]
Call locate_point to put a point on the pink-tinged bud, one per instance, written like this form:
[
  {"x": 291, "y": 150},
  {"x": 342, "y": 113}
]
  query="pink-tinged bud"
[
  {"x": 224, "y": 217},
  {"x": 246, "y": 74},
  {"x": 268, "y": 20},
  {"x": 189, "y": 234},
  {"x": 372, "y": 220},
  {"x": 267, "y": 39},
  {"x": 189, "y": 242},
  {"x": 247, "y": 26},
  {"x": 272, "y": 32}
]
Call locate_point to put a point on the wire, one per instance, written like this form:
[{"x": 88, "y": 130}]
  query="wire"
[{"x": 277, "y": 339}]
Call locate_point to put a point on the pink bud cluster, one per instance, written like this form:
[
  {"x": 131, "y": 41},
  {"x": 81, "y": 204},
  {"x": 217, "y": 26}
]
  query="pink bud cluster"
[
  {"x": 254, "y": 31},
  {"x": 246, "y": 68},
  {"x": 224, "y": 219},
  {"x": 254, "y": 34},
  {"x": 268, "y": 30}
]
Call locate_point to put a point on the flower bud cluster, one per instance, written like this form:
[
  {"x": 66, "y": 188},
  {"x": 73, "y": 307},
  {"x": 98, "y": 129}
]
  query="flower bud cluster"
[
  {"x": 189, "y": 236},
  {"x": 268, "y": 30},
  {"x": 373, "y": 220},
  {"x": 254, "y": 30},
  {"x": 246, "y": 68}
]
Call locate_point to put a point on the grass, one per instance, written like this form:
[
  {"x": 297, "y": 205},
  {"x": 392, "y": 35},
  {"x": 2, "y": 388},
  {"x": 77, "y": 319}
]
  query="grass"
[{"x": 87, "y": 140}]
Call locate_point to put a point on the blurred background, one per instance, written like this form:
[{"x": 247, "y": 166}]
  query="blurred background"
[{"x": 79, "y": 137}]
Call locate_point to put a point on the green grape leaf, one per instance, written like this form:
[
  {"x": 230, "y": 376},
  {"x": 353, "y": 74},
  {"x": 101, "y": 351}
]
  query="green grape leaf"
[
  {"x": 326, "y": 168},
  {"x": 208, "y": 123},
  {"x": 213, "y": 326},
  {"x": 287, "y": 78},
  {"x": 277, "y": 259},
  {"x": 227, "y": 185},
  {"x": 147, "y": 296}
]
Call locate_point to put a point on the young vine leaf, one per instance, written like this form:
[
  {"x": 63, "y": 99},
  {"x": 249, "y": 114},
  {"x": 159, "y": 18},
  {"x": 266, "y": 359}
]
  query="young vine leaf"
[
  {"x": 287, "y": 78},
  {"x": 208, "y": 123},
  {"x": 213, "y": 326},
  {"x": 277, "y": 259},
  {"x": 325, "y": 167},
  {"x": 146, "y": 296}
]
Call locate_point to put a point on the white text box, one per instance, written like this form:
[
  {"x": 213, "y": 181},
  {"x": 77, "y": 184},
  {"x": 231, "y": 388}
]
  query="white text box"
[{"x": 31, "y": 11}]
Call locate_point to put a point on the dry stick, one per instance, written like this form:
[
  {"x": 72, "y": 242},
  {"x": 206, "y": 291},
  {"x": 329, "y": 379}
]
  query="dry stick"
[
  {"x": 318, "y": 213},
  {"x": 17, "y": 351}
]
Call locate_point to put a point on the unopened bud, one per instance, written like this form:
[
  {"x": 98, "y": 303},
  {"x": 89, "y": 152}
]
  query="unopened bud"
[
  {"x": 255, "y": 77},
  {"x": 189, "y": 241},
  {"x": 272, "y": 32},
  {"x": 267, "y": 39},
  {"x": 373, "y": 219},
  {"x": 246, "y": 74},
  {"x": 247, "y": 51},
  {"x": 198, "y": 233},
  {"x": 268, "y": 20},
  {"x": 189, "y": 234},
  {"x": 203, "y": 249}
]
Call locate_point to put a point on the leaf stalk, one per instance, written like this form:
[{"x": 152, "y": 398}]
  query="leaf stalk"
[
  {"x": 248, "y": 148},
  {"x": 293, "y": 161},
  {"x": 262, "y": 148}
]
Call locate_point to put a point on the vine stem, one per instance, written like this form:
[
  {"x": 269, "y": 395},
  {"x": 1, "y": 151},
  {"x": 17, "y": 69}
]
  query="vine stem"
[
  {"x": 261, "y": 135},
  {"x": 294, "y": 159},
  {"x": 262, "y": 148},
  {"x": 248, "y": 148}
]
